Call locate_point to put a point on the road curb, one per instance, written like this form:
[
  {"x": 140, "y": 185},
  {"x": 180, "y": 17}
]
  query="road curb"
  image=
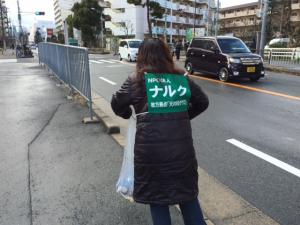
[
  {"x": 281, "y": 70},
  {"x": 110, "y": 126}
]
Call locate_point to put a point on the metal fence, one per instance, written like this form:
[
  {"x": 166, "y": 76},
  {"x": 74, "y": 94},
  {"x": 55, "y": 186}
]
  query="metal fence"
[
  {"x": 71, "y": 65},
  {"x": 283, "y": 57}
]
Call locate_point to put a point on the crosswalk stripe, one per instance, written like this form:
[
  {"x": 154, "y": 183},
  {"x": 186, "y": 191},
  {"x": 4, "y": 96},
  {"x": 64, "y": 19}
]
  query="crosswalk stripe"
[
  {"x": 102, "y": 60},
  {"x": 94, "y": 61},
  {"x": 8, "y": 60},
  {"x": 108, "y": 81}
]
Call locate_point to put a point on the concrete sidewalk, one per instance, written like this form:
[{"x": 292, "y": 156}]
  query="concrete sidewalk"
[{"x": 54, "y": 169}]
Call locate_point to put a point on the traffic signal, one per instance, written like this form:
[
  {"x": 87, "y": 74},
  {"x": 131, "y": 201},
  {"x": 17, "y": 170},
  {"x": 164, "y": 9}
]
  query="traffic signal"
[{"x": 40, "y": 13}]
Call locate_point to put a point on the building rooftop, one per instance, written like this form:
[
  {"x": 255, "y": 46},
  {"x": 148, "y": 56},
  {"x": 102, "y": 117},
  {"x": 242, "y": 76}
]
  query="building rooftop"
[{"x": 256, "y": 3}]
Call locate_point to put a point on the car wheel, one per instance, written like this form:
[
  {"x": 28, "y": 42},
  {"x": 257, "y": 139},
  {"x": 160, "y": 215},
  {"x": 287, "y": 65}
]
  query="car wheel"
[
  {"x": 254, "y": 79},
  {"x": 129, "y": 58},
  {"x": 223, "y": 74},
  {"x": 189, "y": 68},
  {"x": 120, "y": 57}
]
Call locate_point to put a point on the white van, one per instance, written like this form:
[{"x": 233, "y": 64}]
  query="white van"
[{"x": 128, "y": 49}]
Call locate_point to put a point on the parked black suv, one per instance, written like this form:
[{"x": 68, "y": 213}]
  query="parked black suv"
[{"x": 226, "y": 57}]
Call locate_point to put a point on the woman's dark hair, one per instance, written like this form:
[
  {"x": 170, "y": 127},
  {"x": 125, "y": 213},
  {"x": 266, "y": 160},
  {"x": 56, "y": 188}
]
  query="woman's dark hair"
[{"x": 154, "y": 56}]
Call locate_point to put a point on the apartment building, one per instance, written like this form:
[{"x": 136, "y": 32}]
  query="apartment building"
[
  {"x": 244, "y": 20},
  {"x": 241, "y": 20},
  {"x": 4, "y": 21},
  {"x": 295, "y": 17},
  {"x": 62, "y": 8},
  {"x": 126, "y": 20}
]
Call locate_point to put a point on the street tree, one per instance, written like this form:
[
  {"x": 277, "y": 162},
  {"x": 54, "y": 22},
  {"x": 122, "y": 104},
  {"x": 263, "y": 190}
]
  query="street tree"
[
  {"x": 69, "y": 21},
  {"x": 87, "y": 18},
  {"x": 127, "y": 27},
  {"x": 60, "y": 38},
  {"x": 154, "y": 10},
  {"x": 280, "y": 19}
]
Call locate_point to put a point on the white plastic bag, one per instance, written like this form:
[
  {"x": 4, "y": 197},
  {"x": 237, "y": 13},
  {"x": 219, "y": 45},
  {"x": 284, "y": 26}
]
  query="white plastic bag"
[{"x": 126, "y": 179}]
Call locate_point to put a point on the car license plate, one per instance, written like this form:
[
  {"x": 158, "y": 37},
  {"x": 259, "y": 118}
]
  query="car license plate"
[{"x": 251, "y": 69}]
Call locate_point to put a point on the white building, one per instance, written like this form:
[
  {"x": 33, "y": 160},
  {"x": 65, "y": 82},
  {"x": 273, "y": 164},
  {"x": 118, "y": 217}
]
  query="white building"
[
  {"x": 62, "y": 9},
  {"x": 42, "y": 26},
  {"x": 126, "y": 19},
  {"x": 180, "y": 15}
]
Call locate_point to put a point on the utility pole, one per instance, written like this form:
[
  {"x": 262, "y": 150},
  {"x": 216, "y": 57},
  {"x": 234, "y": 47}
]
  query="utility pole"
[
  {"x": 2, "y": 24},
  {"x": 20, "y": 23},
  {"x": 165, "y": 28},
  {"x": 194, "y": 18},
  {"x": 217, "y": 18},
  {"x": 263, "y": 28},
  {"x": 281, "y": 20},
  {"x": 208, "y": 20},
  {"x": 171, "y": 23}
]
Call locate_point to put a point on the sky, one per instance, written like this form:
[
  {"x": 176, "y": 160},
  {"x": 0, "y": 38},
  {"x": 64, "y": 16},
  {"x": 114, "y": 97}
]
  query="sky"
[{"x": 47, "y": 7}]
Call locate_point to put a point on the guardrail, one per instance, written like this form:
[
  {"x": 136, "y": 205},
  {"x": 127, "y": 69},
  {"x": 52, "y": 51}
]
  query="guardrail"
[
  {"x": 283, "y": 57},
  {"x": 70, "y": 65}
]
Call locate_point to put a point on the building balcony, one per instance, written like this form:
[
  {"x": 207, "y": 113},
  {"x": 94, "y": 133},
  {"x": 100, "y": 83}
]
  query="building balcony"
[
  {"x": 295, "y": 6},
  {"x": 295, "y": 18},
  {"x": 167, "y": 31},
  {"x": 240, "y": 24},
  {"x": 238, "y": 14},
  {"x": 116, "y": 29},
  {"x": 118, "y": 17},
  {"x": 183, "y": 20},
  {"x": 178, "y": 7},
  {"x": 200, "y": 1}
]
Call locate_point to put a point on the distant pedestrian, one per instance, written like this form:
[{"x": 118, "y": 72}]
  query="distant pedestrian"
[
  {"x": 165, "y": 99},
  {"x": 178, "y": 48},
  {"x": 186, "y": 46}
]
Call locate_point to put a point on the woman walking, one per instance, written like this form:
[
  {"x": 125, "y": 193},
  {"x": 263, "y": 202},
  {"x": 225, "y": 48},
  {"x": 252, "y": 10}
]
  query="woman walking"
[{"x": 165, "y": 166}]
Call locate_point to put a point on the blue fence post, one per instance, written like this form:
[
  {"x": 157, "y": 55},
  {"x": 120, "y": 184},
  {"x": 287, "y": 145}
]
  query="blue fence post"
[
  {"x": 89, "y": 83},
  {"x": 69, "y": 70}
]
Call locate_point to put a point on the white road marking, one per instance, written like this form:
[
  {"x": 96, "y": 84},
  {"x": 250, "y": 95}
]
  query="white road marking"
[
  {"x": 265, "y": 157},
  {"x": 108, "y": 81},
  {"x": 102, "y": 60},
  {"x": 95, "y": 61},
  {"x": 113, "y": 66},
  {"x": 8, "y": 60},
  {"x": 115, "y": 60}
]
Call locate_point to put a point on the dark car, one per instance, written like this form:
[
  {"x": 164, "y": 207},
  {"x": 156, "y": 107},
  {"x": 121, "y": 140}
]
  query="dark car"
[{"x": 226, "y": 57}]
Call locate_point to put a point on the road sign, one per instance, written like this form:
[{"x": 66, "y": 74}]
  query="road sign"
[{"x": 49, "y": 32}]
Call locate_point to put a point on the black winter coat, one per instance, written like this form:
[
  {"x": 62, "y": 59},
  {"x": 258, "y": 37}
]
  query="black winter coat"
[{"x": 165, "y": 166}]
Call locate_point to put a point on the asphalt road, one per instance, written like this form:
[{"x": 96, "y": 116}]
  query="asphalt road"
[{"x": 264, "y": 116}]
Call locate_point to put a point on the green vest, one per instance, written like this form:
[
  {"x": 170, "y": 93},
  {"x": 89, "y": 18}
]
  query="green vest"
[{"x": 167, "y": 93}]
